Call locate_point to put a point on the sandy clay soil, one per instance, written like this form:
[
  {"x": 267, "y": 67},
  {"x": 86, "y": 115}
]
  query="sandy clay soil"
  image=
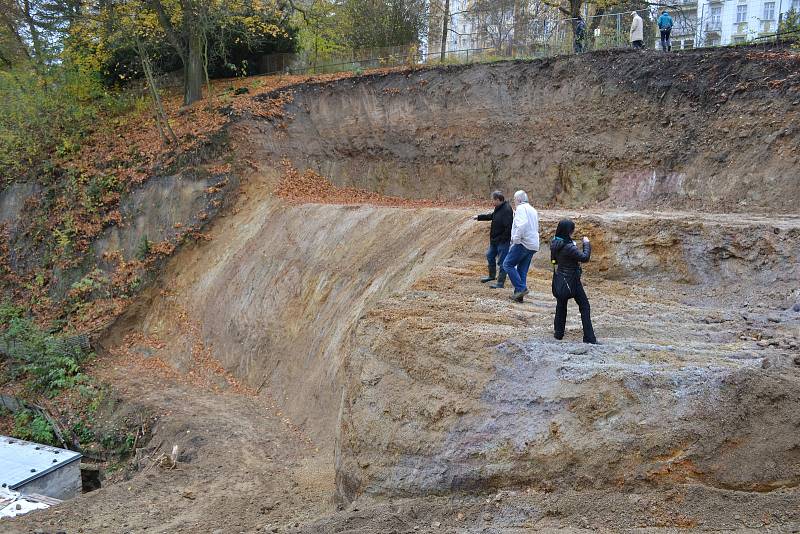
[
  {"x": 335, "y": 365},
  {"x": 245, "y": 465}
]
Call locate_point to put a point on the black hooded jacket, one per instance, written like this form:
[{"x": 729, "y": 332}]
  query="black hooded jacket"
[
  {"x": 567, "y": 256},
  {"x": 502, "y": 218}
]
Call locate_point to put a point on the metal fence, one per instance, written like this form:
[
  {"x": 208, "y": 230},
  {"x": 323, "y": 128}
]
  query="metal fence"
[
  {"x": 542, "y": 38},
  {"x": 539, "y": 38},
  {"x": 311, "y": 62}
]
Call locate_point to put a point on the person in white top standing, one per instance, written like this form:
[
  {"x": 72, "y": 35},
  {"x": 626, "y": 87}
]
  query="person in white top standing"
[
  {"x": 637, "y": 31},
  {"x": 524, "y": 244}
]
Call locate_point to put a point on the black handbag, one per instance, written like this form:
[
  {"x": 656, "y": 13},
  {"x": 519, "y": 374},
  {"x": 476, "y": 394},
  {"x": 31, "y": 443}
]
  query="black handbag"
[{"x": 562, "y": 288}]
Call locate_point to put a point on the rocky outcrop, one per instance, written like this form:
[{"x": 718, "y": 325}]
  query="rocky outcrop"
[
  {"x": 452, "y": 389},
  {"x": 368, "y": 323}
]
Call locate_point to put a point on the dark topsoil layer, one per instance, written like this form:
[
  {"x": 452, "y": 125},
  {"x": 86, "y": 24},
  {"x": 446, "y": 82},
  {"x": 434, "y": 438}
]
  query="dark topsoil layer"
[{"x": 712, "y": 130}]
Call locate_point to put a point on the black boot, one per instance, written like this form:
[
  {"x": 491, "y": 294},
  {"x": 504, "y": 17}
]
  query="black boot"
[
  {"x": 519, "y": 295},
  {"x": 501, "y": 280}
]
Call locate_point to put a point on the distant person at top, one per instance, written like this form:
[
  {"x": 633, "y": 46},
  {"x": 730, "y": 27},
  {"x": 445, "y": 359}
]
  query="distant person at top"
[
  {"x": 580, "y": 34},
  {"x": 637, "y": 31},
  {"x": 566, "y": 260},
  {"x": 665, "y": 25},
  {"x": 499, "y": 238},
  {"x": 524, "y": 244}
]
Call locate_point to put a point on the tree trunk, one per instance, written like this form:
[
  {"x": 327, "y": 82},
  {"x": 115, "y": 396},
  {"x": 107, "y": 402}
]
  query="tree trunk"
[
  {"x": 194, "y": 72},
  {"x": 162, "y": 120},
  {"x": 445, "y": 22},
  {"x": 520, "y": 19}
]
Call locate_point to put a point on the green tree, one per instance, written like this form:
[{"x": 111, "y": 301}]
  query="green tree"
[
  {"x": 372, "y": 23},
  {"x": 321, "y": 29},
  {"x": 193, "y": 27},
  {"x": 790, "y": 23},
  {"x": 203, "y": 38}
]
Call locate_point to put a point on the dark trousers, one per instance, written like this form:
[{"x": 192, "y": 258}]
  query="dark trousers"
[
  {"x": 666, "y": 45},
  {"x": 578, "y": 45},
  {"x": 495, "y": 256},
  {"x": 582, "y": 300}
]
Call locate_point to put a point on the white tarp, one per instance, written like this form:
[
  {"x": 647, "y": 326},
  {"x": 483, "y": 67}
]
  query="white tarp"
[{"x": 12, "y": 503}]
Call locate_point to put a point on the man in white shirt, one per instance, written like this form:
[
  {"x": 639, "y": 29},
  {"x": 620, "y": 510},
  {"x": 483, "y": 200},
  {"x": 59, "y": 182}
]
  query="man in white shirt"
[
  {"x": 524, "y": 244},
  {"x": 637, "y": 31}
]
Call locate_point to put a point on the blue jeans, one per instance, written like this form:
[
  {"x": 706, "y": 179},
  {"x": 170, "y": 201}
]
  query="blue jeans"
[
  {"x": 516, "y": 264},
  {"x": 495, "y": 256}
]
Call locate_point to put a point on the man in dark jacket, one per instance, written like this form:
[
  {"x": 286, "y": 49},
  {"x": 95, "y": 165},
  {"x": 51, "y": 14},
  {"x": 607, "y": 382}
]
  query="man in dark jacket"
[{"x": 499, "y": 238}]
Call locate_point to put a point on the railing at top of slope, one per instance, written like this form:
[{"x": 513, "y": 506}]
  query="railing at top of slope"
[{"x": 545, "y": 38}]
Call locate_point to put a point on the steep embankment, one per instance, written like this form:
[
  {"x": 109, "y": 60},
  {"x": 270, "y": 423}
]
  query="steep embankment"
[
  {"x": 366, "y": 328},
  {"x": 278, "y": 291},
  {"x": 289, "y": 298},
  {"x": 712, "y": 130}
]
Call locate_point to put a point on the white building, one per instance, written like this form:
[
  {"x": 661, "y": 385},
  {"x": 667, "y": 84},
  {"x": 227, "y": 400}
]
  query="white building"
[
  {"x": 463, "y": 28},
  {"x": 724, "y": 22},
  {"x": 471, "y": 28},
  {"x": 684, "y": 30}
]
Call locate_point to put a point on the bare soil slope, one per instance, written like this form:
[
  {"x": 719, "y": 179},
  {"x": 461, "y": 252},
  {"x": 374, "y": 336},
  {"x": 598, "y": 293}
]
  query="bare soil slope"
[
  {"x": 708, "y": 130},
  {"x": 325, "y": 367}
]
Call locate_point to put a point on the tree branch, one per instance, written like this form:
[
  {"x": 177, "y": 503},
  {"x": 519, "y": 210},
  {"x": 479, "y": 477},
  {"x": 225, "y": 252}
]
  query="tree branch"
[{"x": 172, "y": 35}]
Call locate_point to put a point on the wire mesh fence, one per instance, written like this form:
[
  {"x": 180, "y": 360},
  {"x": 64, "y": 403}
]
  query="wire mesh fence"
[
  {"x": 538, "y": 38},
  {"x": 312, "y": 62}
]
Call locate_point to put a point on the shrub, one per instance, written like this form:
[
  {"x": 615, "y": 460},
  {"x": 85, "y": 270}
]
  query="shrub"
[
  {"x": 50, "y": 363},
  {"x": 32, "y": 426},
  {"x": 82, "y": 430},
  {"x": 48, "y": 113}
]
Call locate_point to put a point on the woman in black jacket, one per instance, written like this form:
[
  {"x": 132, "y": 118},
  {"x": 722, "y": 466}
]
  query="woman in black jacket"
[{"x": 564, "y": 254}]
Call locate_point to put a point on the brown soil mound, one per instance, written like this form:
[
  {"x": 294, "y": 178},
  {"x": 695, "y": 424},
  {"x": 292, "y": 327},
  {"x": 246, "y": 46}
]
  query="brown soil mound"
[{"x": 711, "y": 130}]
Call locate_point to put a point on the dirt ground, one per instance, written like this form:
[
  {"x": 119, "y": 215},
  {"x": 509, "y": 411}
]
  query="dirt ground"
[
  {"x": 246, "y": 466},
  {"x": 334, "y": 364},
  {"x": 241, "y": 465}
]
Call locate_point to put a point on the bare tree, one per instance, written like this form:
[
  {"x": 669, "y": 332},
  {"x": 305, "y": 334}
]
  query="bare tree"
[
  {"x": 162, "y": 120},
  {"x": 496, "y": 20}
]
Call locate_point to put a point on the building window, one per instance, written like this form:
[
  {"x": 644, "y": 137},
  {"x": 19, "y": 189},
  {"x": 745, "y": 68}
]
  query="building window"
[
  {"x": 741, "y": 13},
  {"x": 688, "y": 44},
  {"x": 738, "y": 40},
  {"x": 715, "y": 20},
  {"x": 769, "y": 10}
]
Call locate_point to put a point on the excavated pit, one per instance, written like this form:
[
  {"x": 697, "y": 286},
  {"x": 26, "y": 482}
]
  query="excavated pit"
[
  {"x": 366, "y": 323},
  {"x": 367, "y": 326}
]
